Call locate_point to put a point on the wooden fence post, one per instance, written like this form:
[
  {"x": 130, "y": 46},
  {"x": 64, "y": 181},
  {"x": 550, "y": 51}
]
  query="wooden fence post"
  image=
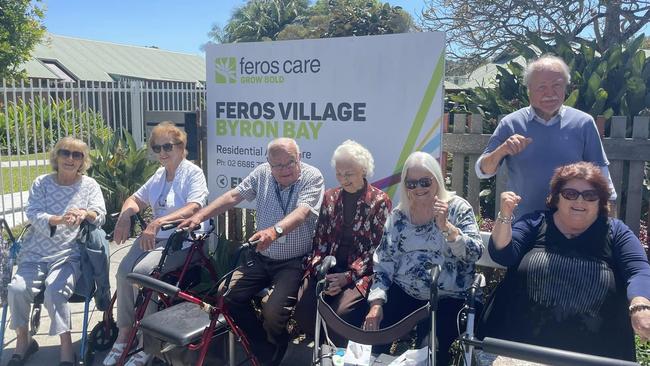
[
  {"x": 458, "y": 161},
  {"x": 635, "y": 178},
  {"x": 617, "y": 133},
  {"x": 473, "y": 183}
]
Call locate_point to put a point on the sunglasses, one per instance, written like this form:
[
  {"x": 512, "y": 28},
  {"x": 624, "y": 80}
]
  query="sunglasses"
[
  {"x": 167, "y": 147},
  {"x": 76, "y": 155},
  {"x": 571, "y": 194},
  {"x": 422, "y": 182}
]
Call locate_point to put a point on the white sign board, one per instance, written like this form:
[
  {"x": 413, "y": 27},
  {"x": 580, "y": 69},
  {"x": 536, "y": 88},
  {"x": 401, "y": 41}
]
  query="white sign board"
[{"x": 385, "y": 92}]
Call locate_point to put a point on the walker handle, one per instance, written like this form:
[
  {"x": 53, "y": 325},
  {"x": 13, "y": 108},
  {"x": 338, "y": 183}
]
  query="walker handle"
[{"x": 154, "y": 284}]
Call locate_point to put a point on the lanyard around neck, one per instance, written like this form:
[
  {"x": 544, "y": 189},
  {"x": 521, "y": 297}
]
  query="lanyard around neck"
[{"x": 284, "y": 206}]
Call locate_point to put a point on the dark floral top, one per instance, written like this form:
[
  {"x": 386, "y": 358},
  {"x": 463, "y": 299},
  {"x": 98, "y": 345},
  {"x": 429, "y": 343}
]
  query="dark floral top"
[
  {"x": 405, "y": 248},
  {"x": 373, "y": 207}
]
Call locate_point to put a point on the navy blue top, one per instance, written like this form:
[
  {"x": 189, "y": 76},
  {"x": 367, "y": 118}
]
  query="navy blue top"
[
  {"x": 568, "y": 293},
  {"x": 631, "y": 262}
]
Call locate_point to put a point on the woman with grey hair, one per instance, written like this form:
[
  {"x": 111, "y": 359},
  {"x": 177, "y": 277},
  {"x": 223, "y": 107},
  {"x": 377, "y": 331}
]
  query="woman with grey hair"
[
  {"x": 58, "y": 203},
  {"x": 350, "y": 226},
  {"x": 429, "y": 225}
]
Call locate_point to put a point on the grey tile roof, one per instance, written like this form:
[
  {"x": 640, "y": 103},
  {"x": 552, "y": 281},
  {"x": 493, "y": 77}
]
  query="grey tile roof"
[{"x": 104, "y": 61}]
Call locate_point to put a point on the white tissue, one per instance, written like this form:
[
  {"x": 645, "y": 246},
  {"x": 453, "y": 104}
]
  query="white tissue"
[
  {"x": 412, "y": 357},
  {"x": 357, "y": 354}
]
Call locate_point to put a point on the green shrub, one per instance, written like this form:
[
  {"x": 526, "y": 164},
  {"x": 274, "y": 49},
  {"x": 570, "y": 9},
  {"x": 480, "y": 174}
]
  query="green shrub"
[
  {"x": 642, "y": 352},
  {"x": 34, "y": 126},
  {"x": 120, "y": 168}
]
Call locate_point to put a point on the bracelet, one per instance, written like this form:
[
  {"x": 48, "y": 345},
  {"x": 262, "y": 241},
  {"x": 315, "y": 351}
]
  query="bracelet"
[
  {"x": 638, "y": 307},
  {"x": 505, "y": 220}
]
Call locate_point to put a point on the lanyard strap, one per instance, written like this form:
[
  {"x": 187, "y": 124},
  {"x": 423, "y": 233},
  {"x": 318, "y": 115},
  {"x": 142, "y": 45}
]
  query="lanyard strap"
[{"x": 282, "y": 205}]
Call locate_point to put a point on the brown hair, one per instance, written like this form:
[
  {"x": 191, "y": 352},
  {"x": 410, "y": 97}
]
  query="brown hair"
[
  {"x": 167, "y": 128},
  {"x": 583, "y": 171},
  {"x": 73, "y": 144}
]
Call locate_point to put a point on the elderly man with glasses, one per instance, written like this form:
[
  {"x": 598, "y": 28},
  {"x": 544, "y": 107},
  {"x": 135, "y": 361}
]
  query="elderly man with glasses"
[{"x": 288, "y": 197}]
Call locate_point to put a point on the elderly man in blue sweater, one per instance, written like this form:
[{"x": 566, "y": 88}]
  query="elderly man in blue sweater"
[{"x": 535, "y": 140}]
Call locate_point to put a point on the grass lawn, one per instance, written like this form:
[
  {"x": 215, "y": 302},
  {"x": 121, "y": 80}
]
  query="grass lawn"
[
  {"x": 38, "y": 156},
  {"x": 22, "y": 177}
]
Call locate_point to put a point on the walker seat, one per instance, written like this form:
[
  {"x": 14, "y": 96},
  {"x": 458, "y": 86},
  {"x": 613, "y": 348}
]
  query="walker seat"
[{"x": 179, "y": 325}]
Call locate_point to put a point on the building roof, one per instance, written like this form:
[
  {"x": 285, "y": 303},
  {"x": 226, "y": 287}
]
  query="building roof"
[
  {"x": 84, "y": 59},
  {"x": 485, "y": 75}
]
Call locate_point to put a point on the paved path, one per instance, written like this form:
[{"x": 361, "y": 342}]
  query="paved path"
[{"x": 297, "y": 355}]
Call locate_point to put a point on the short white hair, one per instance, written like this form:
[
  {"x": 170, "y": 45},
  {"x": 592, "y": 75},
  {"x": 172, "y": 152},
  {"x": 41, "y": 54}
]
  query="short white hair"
[
  {"x": 426, "y": 161},
  {"x": 547, "y": 62},
  {"x": 351, "y": 150},
  {"x": 282, "y": 144}
]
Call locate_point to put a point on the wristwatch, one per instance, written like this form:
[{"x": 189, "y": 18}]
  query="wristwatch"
[{"x": 278, "y": 230}]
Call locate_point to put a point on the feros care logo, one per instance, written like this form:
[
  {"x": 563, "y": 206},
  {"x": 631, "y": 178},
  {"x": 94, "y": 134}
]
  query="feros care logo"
[
  {"x": 244, "y": 70},
  {"x": 225, "y": 70}
]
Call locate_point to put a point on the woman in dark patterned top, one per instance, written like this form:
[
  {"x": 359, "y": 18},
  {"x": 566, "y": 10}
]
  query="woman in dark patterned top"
[
  {"x": 350, "y": 226},
  {"x": 577, "y": 280},
  {"x": 430, "y": 225}
]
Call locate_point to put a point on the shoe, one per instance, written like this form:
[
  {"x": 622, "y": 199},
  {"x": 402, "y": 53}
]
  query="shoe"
[
  {"x": 114, "y": 354},
  {"x": 18, "y": 360},
  {"x": 139, "y": 359}
]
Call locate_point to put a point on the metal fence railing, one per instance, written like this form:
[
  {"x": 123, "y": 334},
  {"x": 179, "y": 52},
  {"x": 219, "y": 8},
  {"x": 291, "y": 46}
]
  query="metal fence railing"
[{"x": 36, "y": 113}]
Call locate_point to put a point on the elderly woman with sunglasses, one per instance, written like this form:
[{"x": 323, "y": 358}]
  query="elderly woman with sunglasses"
[
  {"x": 176, "y": 191},
  {"x": 429, "y": 225},
  {"x": 577, "y": 280},
  {"x": 58, "y": 203}
]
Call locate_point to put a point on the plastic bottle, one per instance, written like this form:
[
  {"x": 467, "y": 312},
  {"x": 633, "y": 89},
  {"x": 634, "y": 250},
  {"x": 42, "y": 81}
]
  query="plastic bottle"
[{"x": 337, "y": 358}]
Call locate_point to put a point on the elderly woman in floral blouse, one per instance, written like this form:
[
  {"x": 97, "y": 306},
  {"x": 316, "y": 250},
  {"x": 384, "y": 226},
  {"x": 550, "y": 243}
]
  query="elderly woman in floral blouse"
[
  {"x": 430, "y": 225},
  {"x": 349, "y": 228}
]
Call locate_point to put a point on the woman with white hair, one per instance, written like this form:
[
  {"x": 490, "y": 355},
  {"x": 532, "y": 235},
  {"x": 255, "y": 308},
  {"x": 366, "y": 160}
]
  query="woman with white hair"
[
  {"x": 429, "y": 225},
  {"x": 350, "y": 226}
]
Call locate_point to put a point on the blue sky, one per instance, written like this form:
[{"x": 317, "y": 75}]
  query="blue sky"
[{"x": 173, "y": 25}]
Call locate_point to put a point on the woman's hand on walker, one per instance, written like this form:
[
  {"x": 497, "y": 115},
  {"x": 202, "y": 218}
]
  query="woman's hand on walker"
[{"x": 374, "y": 317}]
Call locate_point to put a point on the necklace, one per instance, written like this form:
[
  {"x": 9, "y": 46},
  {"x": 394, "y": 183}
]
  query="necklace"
[{"x": 162, "y": 200}]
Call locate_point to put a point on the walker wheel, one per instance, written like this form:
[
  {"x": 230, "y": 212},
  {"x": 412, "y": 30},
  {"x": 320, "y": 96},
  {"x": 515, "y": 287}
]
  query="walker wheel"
[{"x": 103, "y": 336}]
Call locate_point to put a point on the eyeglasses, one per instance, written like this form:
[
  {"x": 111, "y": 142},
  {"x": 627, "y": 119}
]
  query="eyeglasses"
[
  {"x": 289, "y": 165},
  {"x": 424, "y": 182},
  {"x": 64, "y": 153},
  {"x": 571, "y": 194},
  {"x": 167, "y": 147},
  {"x": 346, "y": 176}
]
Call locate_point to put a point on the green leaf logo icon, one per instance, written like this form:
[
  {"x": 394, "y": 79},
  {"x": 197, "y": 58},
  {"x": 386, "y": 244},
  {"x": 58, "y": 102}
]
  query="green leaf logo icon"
[{"x": 225, "y": 70}]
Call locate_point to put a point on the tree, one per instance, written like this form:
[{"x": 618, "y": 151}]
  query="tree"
[
  {"x": 616, "y": 82},
  {"x": 360, "y": 18},
  {"x": 479, "y": 29},
  {"x": 259, "y": 20},
  {"x": 20, "y": 30}
]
